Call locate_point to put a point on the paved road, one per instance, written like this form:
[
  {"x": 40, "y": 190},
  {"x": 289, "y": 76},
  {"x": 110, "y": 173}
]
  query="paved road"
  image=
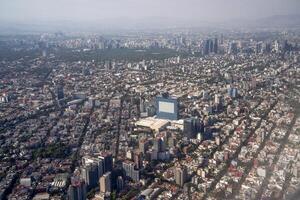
[
  {"x": 235, "y": 155},
  {"x": 250, "y": 164},
  {"x": 275, "y": 160}
]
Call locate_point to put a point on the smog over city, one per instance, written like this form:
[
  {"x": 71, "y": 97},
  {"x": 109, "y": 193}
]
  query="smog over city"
[
  {"x": 100, "y": 15},
  {"x": 149, "y": 99}
]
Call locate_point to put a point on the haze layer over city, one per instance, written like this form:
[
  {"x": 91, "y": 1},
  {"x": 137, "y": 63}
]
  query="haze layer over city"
[{"x": 149, "y": 99}]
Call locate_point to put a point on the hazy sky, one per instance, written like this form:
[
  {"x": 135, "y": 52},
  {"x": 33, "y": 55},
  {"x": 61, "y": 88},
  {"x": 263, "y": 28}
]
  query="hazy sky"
[{"x": 138, "y": 10}]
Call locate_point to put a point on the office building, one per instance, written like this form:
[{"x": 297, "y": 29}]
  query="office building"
[
  {"x": 143, "y": 145},
  {"x": 131, "y": 171},
  {"x": 232, "y": 92},
  {"x": 90, "y": 174},
  {"x": 233, "y": 48},
  {"x": 77, "y": 189},
  {"x": 59, "y": 92},
  {"x": 167, "y": 107},
  {"x": 151, "y": 110},
  {"x": 120, "y": 183},
  {"x": 215, "y": 49},
  {"x": 259, "y": 48},
  {"x": 180, "y": 175},
  {"x": 191, "y": 127},
  {"x": 218, "y": 99},
  {"x": 206, "y": 46},
  {"x": 142, "y": 105},
  {"x": 159, "y": 144},
  {"x": 138, "y": 160},
  {"x": 268, "y": 48},
  {"x": 210, "y": 46},
  {"x": 86, "y": 160},
  {"x": 108, "y": 161},
  {"x": 105, "y": 182},
  {"x": 276, "y": 47}
]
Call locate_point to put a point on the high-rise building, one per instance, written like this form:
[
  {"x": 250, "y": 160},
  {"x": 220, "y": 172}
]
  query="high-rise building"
[
  {"x": 206, "y": 46},
  {"x": 211, "y": 46},
  {"x": 218, "y": 103},
  {"x": 232, "y": 92},
  {"x": 268, "y": 48},
  {"x": 215, "y": 50},
  {"x": 86, "y": 160},
  {"x": 131, "y": 171},
  {"x": 44, "y": 53},
  {"x": 178, "y": 60},
  {"x": 167, "y": 107},
  {"x": 138, "y": 160},
  {"x": 159, "y": 144},
  {"x": 180, "y": 175},
  {"x": 105, "y": 182},
  {"x": 259, "y": 48},
  {"x": 90, "y": 174},
  {"x": 218, "y": 99},
  {"x": 77, "y": 189},
  {"x": 92, "y": 170},
  {"x": 59, "y": 92},
  {"x": 120, "y": 183},
  {"x": 143, "y": 145},
  {"x": 285, "y": 46},
  {"x": 222, "y": 39},
  {"x": 191, "y": 127},
  {"x": 108, "y": 161},
  {"x": 142, "y": 105},
  {"x": 233, "y": 48},
  {"x": 151, "y": 110},
  {"x": 276, "y": 47}
]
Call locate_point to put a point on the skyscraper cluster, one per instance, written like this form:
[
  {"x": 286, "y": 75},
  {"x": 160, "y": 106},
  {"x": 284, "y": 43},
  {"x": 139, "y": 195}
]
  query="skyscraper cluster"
[{"x": 210, "y": 46}]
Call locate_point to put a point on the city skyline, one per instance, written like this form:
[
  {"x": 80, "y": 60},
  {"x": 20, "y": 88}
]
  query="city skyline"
[{"x": 140, "y": 99}]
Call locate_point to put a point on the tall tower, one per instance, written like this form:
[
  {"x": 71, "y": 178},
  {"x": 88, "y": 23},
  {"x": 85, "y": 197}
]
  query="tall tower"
[
  {"x": 158, "y": 144},
  {"x": 276, "y": 47},
  {"x": 120, "y": 183},
  {"x": 108, "y": 162},
  {"x": 206, "y": 47},
  {"x": 216, "y": 45},
  {"x": 180, "y": 175},
  {"x": 191, "y": 127},
  {"x": 77, "y": 189},
  {"x": 105, "y": 183},
  {"x": 59, "y": 92}
]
